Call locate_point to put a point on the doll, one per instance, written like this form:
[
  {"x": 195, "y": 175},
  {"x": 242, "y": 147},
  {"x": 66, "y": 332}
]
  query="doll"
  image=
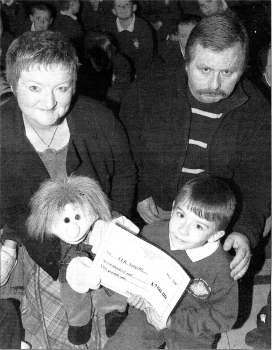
[{"x": 68, "y": 208}]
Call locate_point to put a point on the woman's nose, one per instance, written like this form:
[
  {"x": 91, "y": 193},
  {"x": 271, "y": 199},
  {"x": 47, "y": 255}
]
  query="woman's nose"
[{"x": 49, "y": 101}]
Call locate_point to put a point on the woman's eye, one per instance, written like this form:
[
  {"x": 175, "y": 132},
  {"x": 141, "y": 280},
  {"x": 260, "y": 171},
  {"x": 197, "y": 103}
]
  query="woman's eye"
[
  {"x": 63, "y": 88},
  {"x": 34, "y": 88}
]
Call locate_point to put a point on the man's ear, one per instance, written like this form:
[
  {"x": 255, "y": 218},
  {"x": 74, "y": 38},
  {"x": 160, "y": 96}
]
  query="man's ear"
[
  {"x": 216, "y": 236},
  {"x": 134, "y": 8},
  {"x": 114, "y": 12},
  {"x": 31, "y": 18}
]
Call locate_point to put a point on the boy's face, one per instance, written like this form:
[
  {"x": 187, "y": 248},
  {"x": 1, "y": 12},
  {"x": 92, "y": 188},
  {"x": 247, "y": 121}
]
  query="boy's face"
[
  {"x": 123, "y": 9},
  {"x": 184, "y": 31},
  {"x": 187, "y": 230},
  {"x": 75, "y": 6},
  {"x": 41, "y": 19}
]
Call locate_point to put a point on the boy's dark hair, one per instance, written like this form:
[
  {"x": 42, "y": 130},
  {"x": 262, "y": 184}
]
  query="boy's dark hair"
[
  {"x": 42, "y": 7},
  {"x": 217, "y": 33},
  {"x": 189, "y": 18},
  {"x": 209, "y": 198}
]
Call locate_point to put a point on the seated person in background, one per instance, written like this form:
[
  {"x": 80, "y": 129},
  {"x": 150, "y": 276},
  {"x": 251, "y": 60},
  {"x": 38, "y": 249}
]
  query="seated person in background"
[
  {"x": 95, "y": 14},
  {"x": 163, "y": 15},
  {"x": 66, "y": 23},
  {"x": 210, "y": 7},
  {"x": 200, "y": 215},
  {"x": 263, "y": 77},
  {"x": 133, "y": 34},
  {"x": 172, "y": 51},
  {"x": 14, "y": 15},
  {"x": 6, "y": 39},
  {"x": 41, "y": 17},
  {"x": 105, "y": 73}
]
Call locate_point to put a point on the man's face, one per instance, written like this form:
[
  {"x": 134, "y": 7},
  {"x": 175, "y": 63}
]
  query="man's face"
[
  {"x": 212, "y": 76},
  {"x": 209, "y": 7},
  {"x": 184, "y": 31},
  {"x": 41, "y": 19},
  {"x": 123, "y": 9}
]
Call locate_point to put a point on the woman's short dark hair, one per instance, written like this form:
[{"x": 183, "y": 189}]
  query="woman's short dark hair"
[
  {"x": 217, "y": 32},
  {"x": 41, "y": 48}
]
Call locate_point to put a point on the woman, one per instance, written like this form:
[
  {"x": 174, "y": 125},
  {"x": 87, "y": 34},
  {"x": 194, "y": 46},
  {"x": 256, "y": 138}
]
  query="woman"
[{"x": 46, "y": 133}]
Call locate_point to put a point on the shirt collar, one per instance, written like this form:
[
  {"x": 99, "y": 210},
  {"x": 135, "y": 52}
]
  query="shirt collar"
[
  {"x": 68, "y": 14},
  {"x": 130, "y": 28},
  {"x": 196, "y": 254}
]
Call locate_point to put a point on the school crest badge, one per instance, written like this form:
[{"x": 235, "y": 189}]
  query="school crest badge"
[
  {"x": 136, "y": 43},
  {"x": 199, "y": 288}
]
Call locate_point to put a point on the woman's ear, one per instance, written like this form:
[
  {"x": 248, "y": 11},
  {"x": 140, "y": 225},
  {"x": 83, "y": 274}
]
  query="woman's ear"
[{"x": 216, "y": 236}]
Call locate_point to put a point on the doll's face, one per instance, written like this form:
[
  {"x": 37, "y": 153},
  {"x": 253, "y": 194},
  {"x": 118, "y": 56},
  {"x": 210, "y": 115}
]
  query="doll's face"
[{"x": 72, "y": 223}]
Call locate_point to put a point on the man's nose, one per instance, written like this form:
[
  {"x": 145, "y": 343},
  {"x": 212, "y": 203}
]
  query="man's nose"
[
  {"x": 215, "y": 82},
  {"x": 49, "y": 101}
]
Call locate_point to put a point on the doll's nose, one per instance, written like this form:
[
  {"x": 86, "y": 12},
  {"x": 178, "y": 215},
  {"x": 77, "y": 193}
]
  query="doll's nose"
[{"x": 73, "y": 231}]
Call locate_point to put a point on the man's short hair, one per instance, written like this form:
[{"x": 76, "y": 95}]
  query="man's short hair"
[
  {"x": 217, "y": 33},
  {"x": 42, "y": 48},
  {"x": 210, "y": 198},
  {"x": 42, "y": 7}
]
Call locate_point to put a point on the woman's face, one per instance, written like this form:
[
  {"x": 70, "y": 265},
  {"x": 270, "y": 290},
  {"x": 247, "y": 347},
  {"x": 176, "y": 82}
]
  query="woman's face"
[{"x": 44, "y": 94}]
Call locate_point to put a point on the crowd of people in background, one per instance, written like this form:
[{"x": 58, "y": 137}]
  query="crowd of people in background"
[{"x": 145, "y": 96}]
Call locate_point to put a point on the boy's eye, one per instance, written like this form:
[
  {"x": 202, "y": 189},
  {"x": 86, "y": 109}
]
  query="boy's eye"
[
  {"x": 77, "y": 217},
  {"x": 180, "y": 215},
  {"x": 199, "y": 227}
]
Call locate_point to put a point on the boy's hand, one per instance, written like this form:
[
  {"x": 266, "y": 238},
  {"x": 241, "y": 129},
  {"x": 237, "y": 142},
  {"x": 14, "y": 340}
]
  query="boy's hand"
[
  {"x": 138, "y": 302},
  {"x": 153, "y": 318},
  {"x": 240, "y": 262}
]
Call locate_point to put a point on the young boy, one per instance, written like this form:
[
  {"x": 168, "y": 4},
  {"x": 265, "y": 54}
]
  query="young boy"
[
  {"x": 172, "y": 51},
  {"x": 133, "y": 34},
  {"x": 41, "y": 17},
  {"x": 201, "y": 212},
  {"x": 66, "y": 23}
]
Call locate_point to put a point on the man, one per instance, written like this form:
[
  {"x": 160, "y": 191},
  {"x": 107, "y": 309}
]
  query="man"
[{"x": 209, "y": 122}]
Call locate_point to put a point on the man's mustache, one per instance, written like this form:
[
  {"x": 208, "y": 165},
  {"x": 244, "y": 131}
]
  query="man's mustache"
[{"x": 212, "y": 93}]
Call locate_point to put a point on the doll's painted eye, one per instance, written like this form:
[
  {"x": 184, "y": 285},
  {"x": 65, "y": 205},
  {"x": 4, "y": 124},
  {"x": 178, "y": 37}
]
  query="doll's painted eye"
[
  {"x": 77, "y": 217},
  {"x": 66, "y": 220}
]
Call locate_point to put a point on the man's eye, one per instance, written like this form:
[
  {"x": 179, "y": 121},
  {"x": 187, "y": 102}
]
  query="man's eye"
[
  {"x": 34, "y": 88},
  {"x": 226, "y": 73},
  {"x": 205, "y": 70}
]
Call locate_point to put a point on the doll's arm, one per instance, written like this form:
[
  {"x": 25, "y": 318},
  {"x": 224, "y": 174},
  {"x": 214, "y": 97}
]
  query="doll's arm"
[
  {"x": 100, "y": 227},
  {"x": 80, "y": 277}
]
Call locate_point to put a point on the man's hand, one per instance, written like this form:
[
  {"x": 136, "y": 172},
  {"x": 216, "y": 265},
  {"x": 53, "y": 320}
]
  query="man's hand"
[
  {"x": 240, "y": 262},
  {"x": 153, "y": 318},
  {"x": 148, "y": 210}
]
